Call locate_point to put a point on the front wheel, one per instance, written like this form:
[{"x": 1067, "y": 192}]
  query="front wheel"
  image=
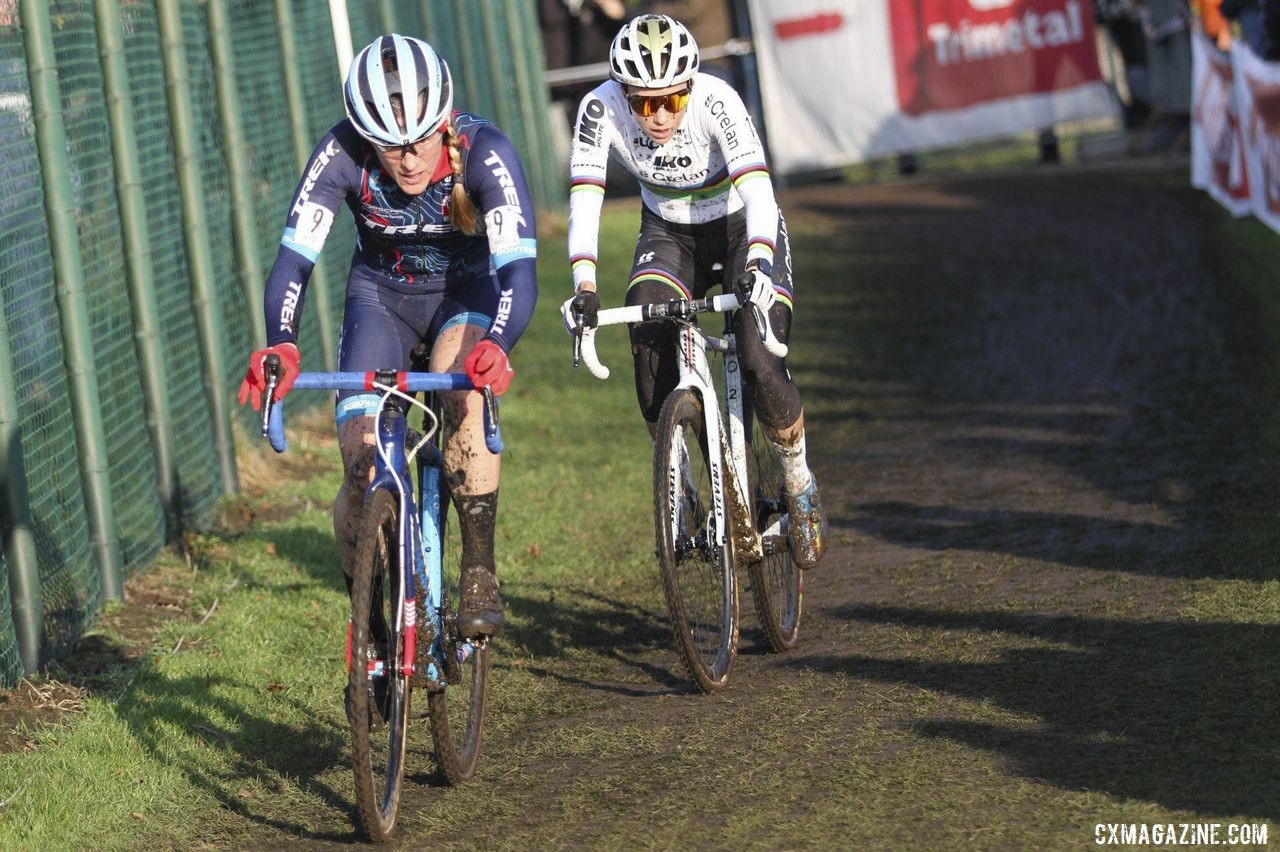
[
  {"x": 777, "y": 585},
  {"x": 377, "y": 690},
  {"x": 695, "y": 555}
]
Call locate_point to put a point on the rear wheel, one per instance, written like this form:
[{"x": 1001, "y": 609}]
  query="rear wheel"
[
  {"x": 457, "y": 709},
  {"x": 457, "y": 714},
  {"x": 776, "y": 583},
  {"x": 377, "y": 692},
  {"x": 695, "y": 556}
]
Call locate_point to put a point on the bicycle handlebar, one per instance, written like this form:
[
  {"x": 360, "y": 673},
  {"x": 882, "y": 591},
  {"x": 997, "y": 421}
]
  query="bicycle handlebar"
[
  {"x": 405, "y": 382},
  {"x": 585, "y": 345}
]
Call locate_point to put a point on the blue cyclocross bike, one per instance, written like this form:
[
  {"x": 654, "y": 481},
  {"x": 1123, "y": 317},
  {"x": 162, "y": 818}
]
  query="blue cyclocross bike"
[{"x": 403, "y": 630}]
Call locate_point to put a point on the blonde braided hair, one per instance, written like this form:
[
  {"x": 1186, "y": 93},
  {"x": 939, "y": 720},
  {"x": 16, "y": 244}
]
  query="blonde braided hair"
[{"x": 462, "y": 211}]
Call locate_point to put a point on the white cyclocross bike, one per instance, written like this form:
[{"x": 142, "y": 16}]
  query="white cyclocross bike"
[{"x": 717, "y": 492}]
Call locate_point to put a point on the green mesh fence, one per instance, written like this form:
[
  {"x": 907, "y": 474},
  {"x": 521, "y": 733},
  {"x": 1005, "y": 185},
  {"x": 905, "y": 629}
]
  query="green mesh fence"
[
  {"x": 234, "y": 346},
  {"x": 198, "y": 486},
  {"x": 366, "y": 23},
  {"x": 9, "y": 660},
  {"x": 482, "y": 41},
  {"x": 67, "y": 574}
]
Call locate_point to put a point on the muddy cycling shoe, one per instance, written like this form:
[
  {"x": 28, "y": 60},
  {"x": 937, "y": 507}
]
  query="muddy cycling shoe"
[
  {"x": 480, "y": 610},
  {"x": 808, "y": 526}
]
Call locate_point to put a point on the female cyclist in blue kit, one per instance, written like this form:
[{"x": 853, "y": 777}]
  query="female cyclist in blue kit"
[{"x": 444, "y": 259}]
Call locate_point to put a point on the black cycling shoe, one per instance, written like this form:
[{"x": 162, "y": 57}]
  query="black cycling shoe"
[{"x": 480, "y": 610}]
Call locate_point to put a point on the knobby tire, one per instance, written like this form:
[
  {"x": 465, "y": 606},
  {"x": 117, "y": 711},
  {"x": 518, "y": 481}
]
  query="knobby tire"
[
  {"x": 457, "y": 711},
  {"x": 777, "y": 584},
  {"x": 697, "y": 569},
  {"x": 377, "y": 746}
]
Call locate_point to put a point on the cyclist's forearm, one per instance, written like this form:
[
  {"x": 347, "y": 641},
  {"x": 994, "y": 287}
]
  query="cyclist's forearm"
[
  {"x": 518, "y": 286},
  {"x": 283, "y": 294},
  {"x": 761, "y": 212},
  {"x": 584, "y": 237}
]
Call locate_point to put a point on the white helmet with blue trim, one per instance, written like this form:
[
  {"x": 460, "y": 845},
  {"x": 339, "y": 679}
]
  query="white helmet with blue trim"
[{"x": 393, "y": 65}]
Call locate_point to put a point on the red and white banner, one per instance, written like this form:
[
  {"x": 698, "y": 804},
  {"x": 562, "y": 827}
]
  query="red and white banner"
[
  {"x": 1235, "y": 129},
  {"x": 1217, "y": 145},
  {"x": 844, "y": 81}
]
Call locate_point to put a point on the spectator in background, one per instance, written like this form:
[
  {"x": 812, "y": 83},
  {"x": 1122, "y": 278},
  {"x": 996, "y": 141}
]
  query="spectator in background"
[
  {"x": 1213, "y": 23},
  {"x": 1259, "y": 25},
  {"x": 575, "y": 33},
  {"x": 556, "y": 24},
  {"x": 1119, "y": 18},
  {"x": 1166, "y": 25},
  {"x": 597, "y": 23}
]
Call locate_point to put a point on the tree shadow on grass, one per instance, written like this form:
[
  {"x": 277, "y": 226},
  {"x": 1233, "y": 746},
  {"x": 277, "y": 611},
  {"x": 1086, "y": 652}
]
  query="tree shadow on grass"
[
  {"x": 1075, "y": 540},
  {"x": 243, "y": 750},
  {"x": 1178, "y": 713},
  {"x": 624, "y": 633}
]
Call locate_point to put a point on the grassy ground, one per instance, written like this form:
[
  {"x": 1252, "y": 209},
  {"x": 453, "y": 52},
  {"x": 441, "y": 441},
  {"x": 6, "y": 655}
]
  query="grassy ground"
[{"x": 1051, "y": 600}]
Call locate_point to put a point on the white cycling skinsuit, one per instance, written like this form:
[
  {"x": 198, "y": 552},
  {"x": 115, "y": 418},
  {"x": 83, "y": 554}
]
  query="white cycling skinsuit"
[{"x": 713, "y": 166}]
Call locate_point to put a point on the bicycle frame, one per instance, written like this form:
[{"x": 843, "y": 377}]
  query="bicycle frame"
[
  {"x": 722, "y": 443},
  {"x": 695, "y": 374},
  {"x": 421, "y": 534}
]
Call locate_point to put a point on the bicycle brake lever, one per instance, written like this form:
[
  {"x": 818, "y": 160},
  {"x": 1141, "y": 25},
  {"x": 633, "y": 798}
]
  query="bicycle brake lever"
[
  {"x": 271, "y": 366},
  {"x": 492, "y": 433},
  {"x": 762, "y": 321}
]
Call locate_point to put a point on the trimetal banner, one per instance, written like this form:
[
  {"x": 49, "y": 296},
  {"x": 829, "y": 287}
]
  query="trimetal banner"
[
  {"x": 844, "y": 81},
  {"x": 1235, "y": 129}
]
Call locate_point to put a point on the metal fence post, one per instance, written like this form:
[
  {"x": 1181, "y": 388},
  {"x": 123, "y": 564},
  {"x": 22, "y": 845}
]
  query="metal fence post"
[
  {"x": 302, "y": 145},
  {"x": 137, "y": 248},
  {"x": 388, "y": 14},
  {"x": 204, "y": 298},
  {"x": 15, "y": 520},
  {"x": 535, "y": 103},
  {"x": 432, "y": 30},
  {"x": 73, "y": 308},
  {"x": 244, "y": 233}
]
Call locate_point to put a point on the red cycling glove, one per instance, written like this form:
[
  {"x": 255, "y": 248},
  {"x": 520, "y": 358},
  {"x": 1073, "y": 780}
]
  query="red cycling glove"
[
  {"x": 255, "y": 379},
  {"x": 487, "y": 367}
]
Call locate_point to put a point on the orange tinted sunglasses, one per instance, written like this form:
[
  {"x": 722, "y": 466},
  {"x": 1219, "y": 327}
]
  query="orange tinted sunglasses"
[{"x": 647, "y": 105}]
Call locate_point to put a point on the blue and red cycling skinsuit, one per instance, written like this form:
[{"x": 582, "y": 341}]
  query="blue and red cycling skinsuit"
[{"x": 413, "y": 273}]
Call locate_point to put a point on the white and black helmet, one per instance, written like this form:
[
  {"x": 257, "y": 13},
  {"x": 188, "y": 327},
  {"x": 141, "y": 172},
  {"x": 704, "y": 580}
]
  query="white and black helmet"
[
  {"x": 653, "y": 52},
  {"x": 393, "y": 65}
]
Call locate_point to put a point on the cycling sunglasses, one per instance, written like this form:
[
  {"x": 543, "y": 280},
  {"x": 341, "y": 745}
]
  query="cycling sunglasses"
[
  {"x": 399, "y": 151},
  {"x": 647, "y": 105}
]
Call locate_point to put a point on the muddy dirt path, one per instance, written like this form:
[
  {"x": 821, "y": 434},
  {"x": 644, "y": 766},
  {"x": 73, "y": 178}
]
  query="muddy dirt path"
[{"x": 1027, "y": 423}]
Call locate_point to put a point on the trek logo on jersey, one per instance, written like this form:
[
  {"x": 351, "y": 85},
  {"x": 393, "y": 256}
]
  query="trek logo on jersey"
[
  {"x": 504, "y": 312},
  {"x": 499, "y": 169},
  {"x": 589, "y": 122},
  {"x": 383, "y": 227},
  {"x": 317, "y": 168},
  {"x": 289, "y": 311}
]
